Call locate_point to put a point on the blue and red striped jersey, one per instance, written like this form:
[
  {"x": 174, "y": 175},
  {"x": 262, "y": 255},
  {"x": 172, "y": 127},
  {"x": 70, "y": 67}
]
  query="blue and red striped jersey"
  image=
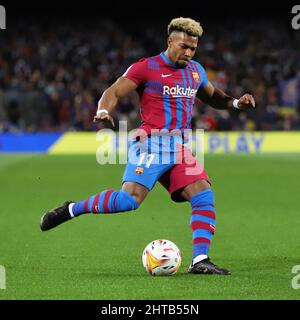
[{"x": 167, "y": 93}]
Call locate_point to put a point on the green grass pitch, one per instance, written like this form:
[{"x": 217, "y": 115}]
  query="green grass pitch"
[{"x": 99, "y": 256}]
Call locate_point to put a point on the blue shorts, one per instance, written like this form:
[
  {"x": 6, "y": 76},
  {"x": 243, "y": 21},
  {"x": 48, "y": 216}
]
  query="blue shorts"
[{"x": 150, "y": 159}]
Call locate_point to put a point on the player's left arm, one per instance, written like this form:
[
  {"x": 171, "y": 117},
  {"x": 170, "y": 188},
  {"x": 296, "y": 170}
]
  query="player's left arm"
[{"x": 218, "y": 99}]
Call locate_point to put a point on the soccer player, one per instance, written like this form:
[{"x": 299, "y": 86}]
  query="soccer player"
[{"x": 168, "y": 85}]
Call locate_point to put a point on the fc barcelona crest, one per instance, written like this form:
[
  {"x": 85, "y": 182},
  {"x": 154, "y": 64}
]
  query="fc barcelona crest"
[
  {"x": 196, "y": 76},
  {"x": 139, "y": 170}
]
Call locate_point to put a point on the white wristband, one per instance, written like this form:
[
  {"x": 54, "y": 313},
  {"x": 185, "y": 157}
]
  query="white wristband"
[
  {"x": 100, "y": 111},
  {"x": 235, "y": 103}
]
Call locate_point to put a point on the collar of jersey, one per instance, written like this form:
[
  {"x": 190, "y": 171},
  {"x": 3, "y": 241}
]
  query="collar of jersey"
[{"x": 168, "y": 61}]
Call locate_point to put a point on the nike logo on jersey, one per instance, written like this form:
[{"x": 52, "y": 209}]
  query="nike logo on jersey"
[{"x": 165, "y": 75}]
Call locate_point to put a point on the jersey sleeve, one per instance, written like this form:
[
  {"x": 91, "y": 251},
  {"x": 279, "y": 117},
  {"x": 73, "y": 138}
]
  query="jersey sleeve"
[
  {"x": 203, "y": 76},
  {"x": 137, "y": 72}
]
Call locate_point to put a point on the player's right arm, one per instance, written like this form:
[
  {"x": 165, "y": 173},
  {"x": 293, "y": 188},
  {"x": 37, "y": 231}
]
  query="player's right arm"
[
  {"x": 127, "y": 83},
  {"x": 121, "y": 88}
]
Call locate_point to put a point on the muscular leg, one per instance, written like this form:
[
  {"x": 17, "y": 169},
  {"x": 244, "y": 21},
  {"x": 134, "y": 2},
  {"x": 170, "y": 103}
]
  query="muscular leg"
[
  {"x": 108, "y": 201},
  {"x": 201, "y": 197},
  {"x": 113, "y": 201}
]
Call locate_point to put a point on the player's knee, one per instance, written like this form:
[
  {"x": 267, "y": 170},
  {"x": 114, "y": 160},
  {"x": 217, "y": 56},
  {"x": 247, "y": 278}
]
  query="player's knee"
[
  {"x": 137, "y": 191},
  {"x": 195, "y": 188}
]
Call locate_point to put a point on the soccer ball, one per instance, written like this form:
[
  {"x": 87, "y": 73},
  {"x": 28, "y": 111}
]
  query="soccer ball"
[{"x": 161, "y": 257}]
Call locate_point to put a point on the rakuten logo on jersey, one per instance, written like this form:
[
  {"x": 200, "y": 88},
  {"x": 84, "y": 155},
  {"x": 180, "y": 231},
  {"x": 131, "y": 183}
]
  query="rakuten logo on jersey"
[{"x": 178, "y": 91}]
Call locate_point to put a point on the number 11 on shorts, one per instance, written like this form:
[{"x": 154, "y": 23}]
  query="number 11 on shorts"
[{"x": 149, "y": 158}]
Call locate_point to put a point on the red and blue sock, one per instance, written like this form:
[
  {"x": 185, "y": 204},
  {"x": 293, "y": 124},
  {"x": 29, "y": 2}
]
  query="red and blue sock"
[
  {"x": 203, "y": 223},
  {"x": 107, "y": 201}
]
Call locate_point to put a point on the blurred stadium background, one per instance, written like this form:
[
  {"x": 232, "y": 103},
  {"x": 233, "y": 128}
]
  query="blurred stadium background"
[
  {"x": 55, "y": 62},
  {"x": 54, "y": 71}
]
